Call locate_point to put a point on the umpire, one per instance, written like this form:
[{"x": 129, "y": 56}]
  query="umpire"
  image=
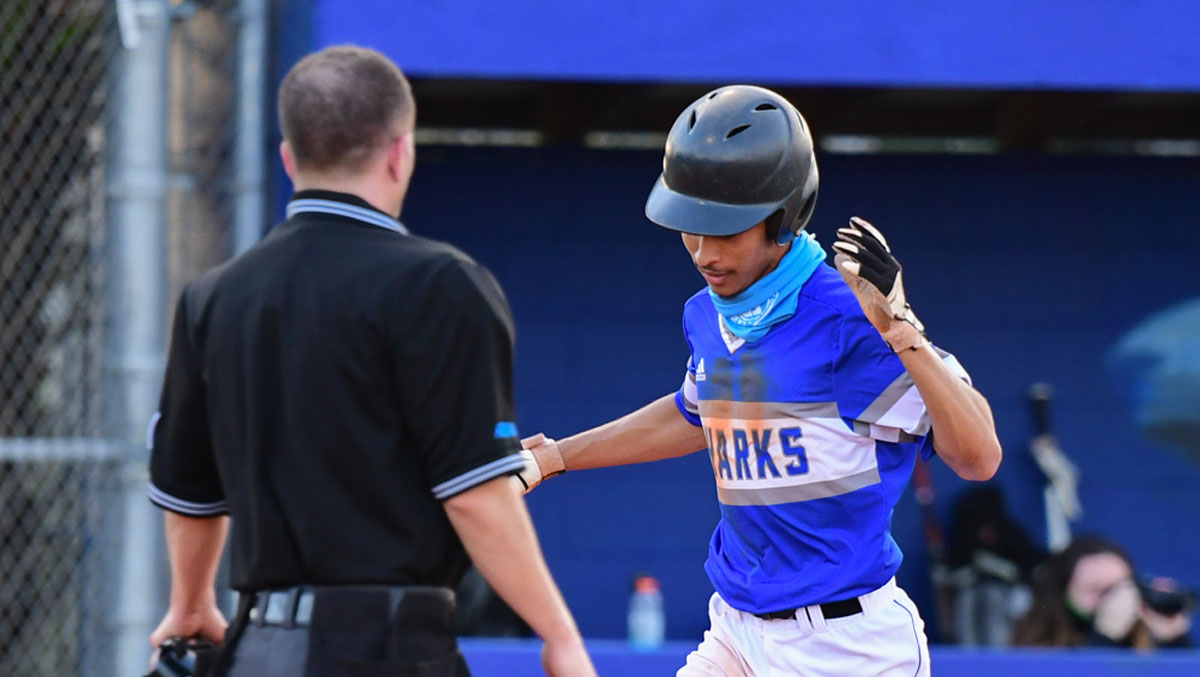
[{"x": 342, "y": 395}]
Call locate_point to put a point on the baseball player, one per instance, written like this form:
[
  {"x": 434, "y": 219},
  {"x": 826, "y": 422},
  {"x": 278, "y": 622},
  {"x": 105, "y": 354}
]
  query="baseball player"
[{"x": 814, "y": 393}]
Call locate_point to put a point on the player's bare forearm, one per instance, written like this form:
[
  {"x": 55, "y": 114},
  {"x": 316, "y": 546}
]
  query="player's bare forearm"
[
  {"x": 656, "y": 431},
  {"x": 964, "y": 432},
  {"x": 494, "y": 526}
]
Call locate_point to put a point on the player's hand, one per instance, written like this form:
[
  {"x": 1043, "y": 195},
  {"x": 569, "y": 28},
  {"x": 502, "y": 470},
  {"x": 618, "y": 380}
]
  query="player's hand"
[
  {"x": 542, "y": 460},
  {"x": 207, "y": 623},
  {"x": 874, "y": 275},
  {"x": 566, "y": 659}
]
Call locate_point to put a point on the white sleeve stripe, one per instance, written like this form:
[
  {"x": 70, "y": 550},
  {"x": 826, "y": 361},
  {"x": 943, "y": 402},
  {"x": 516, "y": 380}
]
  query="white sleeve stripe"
[
  {"x": 483, "y": 473},
  {"x": 689, "y": 396},
  {"x": 151, "y": 428},
  {"x": 907, "y": 414},
  {"x": 164, "y": 500},
  {"x": 886, "y": 402},
  {"x": 956, "y": 367}
]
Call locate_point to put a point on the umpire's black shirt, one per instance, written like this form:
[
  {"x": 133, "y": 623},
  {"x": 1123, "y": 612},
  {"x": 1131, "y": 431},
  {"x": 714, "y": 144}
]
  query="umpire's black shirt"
[{"x": 329, "y": 389}]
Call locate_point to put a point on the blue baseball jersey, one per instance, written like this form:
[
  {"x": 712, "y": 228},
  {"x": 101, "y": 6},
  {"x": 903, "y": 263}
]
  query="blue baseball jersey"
[{"x": 812, "y": 431}]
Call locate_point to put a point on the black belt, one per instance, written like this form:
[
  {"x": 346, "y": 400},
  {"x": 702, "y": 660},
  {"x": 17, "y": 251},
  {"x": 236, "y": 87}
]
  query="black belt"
[
  {"x": 289, "y": 607},
  {"x": 846, "y": 607},
  {"x": 294, "y": 606}
]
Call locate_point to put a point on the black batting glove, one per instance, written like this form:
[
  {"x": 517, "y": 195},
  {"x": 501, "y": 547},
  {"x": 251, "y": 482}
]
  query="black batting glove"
[{"x": 866, "y": 263}]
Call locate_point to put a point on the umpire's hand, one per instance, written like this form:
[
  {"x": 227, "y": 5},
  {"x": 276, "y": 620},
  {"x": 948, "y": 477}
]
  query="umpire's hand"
[
  {"x": 204, "y": 623},
  {"x": 866, "y": 263}
]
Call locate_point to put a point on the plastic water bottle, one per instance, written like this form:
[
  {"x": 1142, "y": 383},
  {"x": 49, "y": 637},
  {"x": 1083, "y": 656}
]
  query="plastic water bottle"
[{"x": 647, "y": 623}]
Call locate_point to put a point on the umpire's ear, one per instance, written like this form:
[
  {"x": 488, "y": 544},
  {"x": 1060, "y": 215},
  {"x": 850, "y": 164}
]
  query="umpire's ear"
[
  {"x": 289, "y": 162},
  {"x": 401, "y": 157}
]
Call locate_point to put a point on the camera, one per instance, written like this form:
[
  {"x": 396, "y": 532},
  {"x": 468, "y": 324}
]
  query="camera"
[{"x": 1165, "y": 597}]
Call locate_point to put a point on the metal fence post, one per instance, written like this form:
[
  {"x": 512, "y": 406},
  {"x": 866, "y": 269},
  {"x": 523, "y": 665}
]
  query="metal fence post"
[
  {"x": 249, "y": 187},
  {"x": 135, "y": 331}
]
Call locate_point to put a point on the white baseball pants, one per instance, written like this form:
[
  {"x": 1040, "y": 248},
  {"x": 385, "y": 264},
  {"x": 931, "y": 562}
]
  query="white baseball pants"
[{"x": 887, "y": 639}]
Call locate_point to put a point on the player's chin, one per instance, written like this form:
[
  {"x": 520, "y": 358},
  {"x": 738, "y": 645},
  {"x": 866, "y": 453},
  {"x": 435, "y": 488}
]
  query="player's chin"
[
  {"x": 728, "y": 284},
  {"x": 730, "y": 288}
]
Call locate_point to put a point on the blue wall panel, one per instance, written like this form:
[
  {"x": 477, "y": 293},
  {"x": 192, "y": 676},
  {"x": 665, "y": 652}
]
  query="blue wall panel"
[
  {"x": 1091, "y": 44},
  {"x": 520, "y": 659},
  {"x": 1027, "y": 268}
]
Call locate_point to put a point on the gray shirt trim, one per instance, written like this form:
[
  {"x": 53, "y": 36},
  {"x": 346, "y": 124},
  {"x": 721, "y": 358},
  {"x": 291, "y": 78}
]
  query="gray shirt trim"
[
  {"x": 887, "y": 399},
  {"x": 471, "y": 478},
  {"x": 164, "y": 500},
  {"x": 759, "y": 411},
  {"x": 864, "y": 429},
  {"x": 800, "y": 492}
]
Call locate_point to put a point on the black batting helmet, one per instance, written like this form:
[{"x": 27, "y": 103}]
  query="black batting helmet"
[{"x": 737, "y": 156}]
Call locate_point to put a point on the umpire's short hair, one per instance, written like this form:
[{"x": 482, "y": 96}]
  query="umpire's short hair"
[{"x": 337, "y": 107}]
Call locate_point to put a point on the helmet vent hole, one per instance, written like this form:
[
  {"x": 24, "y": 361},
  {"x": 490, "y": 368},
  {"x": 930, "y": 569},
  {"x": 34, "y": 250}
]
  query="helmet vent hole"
[
  {"x": 713, "y": 95},
  {"x": 692, "y": 121},
  {"x": 765, "y": 106},
  {"x": 736, "y": 130}
]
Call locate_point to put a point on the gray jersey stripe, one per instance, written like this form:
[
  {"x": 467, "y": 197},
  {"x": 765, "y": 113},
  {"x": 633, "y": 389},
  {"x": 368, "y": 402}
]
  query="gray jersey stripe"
[
  {"x": 892, "y": 394},
  {"x": 887, "y": 399},
  {"x": 864, "y": 429},
  {"x": 861, "y": 428},
  {"x": 758, "y": 411},
  {"x": 801, "y": 492},
  {"x": 924, "y": 425},
  {"x": 690, "y": 406}
]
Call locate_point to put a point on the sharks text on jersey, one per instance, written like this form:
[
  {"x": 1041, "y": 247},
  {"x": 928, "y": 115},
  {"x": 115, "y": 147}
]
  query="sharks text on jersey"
[{"x": 764, "y": 453}]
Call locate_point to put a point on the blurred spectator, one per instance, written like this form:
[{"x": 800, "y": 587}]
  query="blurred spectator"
[
  {"x": 991, "y": 559},
  {"x": 1085, "y": 596},
  {"x": 1167, "y": 612}
]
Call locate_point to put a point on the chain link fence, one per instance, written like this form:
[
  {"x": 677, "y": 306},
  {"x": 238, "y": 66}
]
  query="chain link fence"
[
  {"x": 201, "y": 90},
  {"x": 53, "y": 478},
  {"x": 60, "y": 474}
]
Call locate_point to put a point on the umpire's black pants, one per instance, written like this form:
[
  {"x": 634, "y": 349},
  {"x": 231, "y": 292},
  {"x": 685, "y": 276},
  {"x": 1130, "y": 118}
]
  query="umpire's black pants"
[{"x": 344, "y": 631}]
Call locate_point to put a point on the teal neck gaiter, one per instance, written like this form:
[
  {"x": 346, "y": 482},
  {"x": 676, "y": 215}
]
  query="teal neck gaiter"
[{"x": 751, "y": 313}]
